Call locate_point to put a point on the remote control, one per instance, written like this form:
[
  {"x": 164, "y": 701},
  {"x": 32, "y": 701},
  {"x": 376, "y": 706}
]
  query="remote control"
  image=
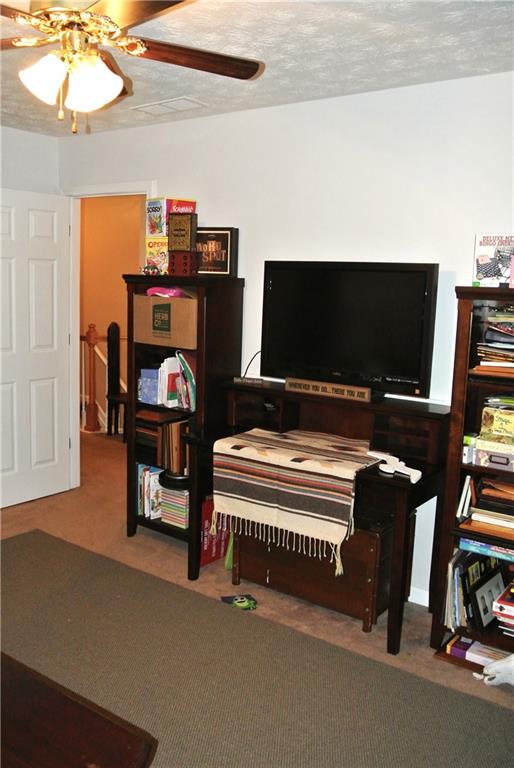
[{"x": 392, "y": 464}]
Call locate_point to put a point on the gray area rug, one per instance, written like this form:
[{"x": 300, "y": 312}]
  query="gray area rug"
[{"x": 222, "y": 688}]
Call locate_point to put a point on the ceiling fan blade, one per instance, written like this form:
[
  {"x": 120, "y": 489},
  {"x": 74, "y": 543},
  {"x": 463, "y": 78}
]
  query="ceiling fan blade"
[
  {"x": 12, "y": 13},
  {"x": 206, "y": 61},
  {"x": 6, "y": 43},
  {"x": 128, "y": 13}
]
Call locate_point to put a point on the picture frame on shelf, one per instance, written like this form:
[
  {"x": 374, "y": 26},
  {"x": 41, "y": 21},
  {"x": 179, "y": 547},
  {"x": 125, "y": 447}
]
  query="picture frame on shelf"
[
  {"x": 217, "y": 249},
  {"x": 483, "y": 596}
]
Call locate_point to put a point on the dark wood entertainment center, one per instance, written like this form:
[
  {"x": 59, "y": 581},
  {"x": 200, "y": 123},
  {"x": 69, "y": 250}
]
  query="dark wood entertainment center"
[{"x": 378, "y": 558}]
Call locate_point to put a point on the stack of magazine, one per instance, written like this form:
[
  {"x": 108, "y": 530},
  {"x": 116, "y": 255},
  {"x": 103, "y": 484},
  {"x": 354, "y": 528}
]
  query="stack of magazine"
[
  {"x": 496, "y": 351},
  {"x": 494, "y": 504}
]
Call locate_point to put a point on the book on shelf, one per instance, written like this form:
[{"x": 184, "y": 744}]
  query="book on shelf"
[
  {"x": 491, "y": 370},
  {"x": 484, "y": 548},
  {"x": 172, "y": 385},
  {"x": 156, "y": 502},
  {"x": 492, "y": 518},
  {"x": 174, "y": 507},
  {"x": 148, "y": 490},
  {"x": 465, "y": 498},
  {"x": 466, "y": 572},
  {"x": 473, "y": 651},
  {"x": 167, "y": 440},
  {"x": 503, "y": 605},
  {"x": 501, "y": 489},
  {"x": 498, "y": 333},
  {"x": 500, "y": 400},
  {"x": 458, "y": 646},
  {"x": 478, "y": 653}
]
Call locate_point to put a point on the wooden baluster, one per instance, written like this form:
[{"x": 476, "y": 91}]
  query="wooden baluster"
[{"x": 92, "y": 424}]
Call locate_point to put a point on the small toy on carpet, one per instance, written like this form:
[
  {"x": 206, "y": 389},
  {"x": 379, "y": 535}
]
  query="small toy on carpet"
[{"x": 243, "y": 602}]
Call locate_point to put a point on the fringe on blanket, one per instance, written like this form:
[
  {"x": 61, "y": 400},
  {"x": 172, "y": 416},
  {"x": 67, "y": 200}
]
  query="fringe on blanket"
[{"x": 269, "y": 534}]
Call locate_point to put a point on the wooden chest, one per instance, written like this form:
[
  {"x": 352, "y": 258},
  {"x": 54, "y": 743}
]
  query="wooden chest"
[{"x": 362, "y": 591}]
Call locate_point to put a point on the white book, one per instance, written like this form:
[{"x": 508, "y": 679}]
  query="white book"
[
  {"x": 497, "y": 363},
  {"x": 485, "y": 517},
  {"x": 484, "y": 654},
  {"x": 465, "y": 498},
  {"x": 168, "y": 395}
]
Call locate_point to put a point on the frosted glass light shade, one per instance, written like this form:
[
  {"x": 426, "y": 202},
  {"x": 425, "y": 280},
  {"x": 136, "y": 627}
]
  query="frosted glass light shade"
[
  {"x": 91, "y": 84},
  {"x": 45, "y": 77}
]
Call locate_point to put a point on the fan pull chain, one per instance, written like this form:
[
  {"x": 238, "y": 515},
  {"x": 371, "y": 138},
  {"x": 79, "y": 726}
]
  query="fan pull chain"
[
  {"x": 74, "y": 122},
  {"x": 60, "y": 114}
]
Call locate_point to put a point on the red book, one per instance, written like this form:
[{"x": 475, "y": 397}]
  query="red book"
[{"x": 504, "y": 603}]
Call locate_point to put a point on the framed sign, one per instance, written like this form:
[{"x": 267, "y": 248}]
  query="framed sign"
[
  {"x": 483, "y": 595},
  {"x": 217, "y": 250}
]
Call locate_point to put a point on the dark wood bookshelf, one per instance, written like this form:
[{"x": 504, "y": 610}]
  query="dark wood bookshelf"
[
  {"x": 217, "y": 357},
  {"x": 470, "y": 389}
]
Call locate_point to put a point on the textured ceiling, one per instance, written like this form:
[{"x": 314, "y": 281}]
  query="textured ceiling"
[{"x": 312, "y": 49}]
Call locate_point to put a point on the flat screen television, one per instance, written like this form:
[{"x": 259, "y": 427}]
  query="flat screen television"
[{"x": 367, "y": 324}]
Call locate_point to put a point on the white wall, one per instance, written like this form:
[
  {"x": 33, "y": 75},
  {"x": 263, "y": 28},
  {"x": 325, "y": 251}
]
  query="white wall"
[
  {"x": 403, "y": 175},
  {"x": 29, "y": 161}
]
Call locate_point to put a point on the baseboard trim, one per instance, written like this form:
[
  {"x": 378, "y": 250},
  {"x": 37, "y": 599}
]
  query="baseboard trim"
[{"x": 418, "y": 596}]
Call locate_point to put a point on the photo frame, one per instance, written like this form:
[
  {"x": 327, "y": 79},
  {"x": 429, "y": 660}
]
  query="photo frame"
[
  {"x": 483, "y": 595},
  {"x": 217, "y": 250}
]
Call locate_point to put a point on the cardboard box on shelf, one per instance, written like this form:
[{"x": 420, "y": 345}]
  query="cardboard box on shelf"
[
  {"x": 165, "y": 321},
  {"x": 158, "y": 210}
]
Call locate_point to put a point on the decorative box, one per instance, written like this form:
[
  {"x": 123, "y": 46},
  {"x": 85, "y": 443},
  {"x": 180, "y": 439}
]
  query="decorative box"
[
  {"x": 498, "y": 459},
  {"x": 182, "y": 231},
  {"x": 183, "y": 263},
  {"x": 157, "y": 253},
  {"x": 158, "y": 210},
  {"x": 497, "y": 424}
]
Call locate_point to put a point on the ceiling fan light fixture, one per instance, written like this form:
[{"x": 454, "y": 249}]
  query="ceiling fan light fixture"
[
  {"x": 44, "y": 78},
  {"x": 91, "y": 84}
]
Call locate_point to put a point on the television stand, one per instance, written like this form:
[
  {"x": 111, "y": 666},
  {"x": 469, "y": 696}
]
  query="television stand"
[{"x": 415, "y": 432}]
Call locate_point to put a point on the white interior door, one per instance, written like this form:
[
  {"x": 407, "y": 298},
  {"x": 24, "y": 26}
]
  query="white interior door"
[{"x": 35, "y": 373}]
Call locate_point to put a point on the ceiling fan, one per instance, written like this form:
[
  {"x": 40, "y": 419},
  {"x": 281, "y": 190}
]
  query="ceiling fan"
[{"x": 87, "y": 77}]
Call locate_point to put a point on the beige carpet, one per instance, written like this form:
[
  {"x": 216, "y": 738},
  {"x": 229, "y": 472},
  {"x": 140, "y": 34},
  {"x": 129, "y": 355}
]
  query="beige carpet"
[{"x": 93, "y": 516}]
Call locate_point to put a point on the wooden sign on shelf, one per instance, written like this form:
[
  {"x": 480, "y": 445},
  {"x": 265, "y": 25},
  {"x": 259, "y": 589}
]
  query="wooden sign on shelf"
[{"x": 329, "y": 389}]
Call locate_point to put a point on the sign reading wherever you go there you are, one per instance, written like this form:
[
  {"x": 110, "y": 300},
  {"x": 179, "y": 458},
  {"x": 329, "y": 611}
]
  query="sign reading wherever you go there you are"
[{"x": 329, "y": 389}]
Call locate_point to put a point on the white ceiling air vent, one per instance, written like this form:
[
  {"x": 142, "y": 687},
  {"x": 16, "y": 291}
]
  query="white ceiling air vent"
[{"x": 180, "y": 104}]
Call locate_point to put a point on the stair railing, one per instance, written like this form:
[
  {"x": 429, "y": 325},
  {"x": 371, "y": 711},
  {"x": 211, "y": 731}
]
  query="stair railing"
[{"x": 93, "y": 416}]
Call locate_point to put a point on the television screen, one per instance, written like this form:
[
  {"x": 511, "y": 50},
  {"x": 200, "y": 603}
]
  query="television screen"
[{"x": 362, "y": 324}]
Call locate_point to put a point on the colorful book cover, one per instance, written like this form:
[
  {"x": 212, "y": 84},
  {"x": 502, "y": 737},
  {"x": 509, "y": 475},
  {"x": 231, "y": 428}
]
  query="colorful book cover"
[
  {"x": 493, "y": 264},
  {"x": 504, "y": 603}
]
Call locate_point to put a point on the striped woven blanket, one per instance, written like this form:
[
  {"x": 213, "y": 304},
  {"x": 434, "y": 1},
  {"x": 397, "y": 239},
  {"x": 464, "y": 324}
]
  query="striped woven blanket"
[{"x": 294, "y": 489}]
